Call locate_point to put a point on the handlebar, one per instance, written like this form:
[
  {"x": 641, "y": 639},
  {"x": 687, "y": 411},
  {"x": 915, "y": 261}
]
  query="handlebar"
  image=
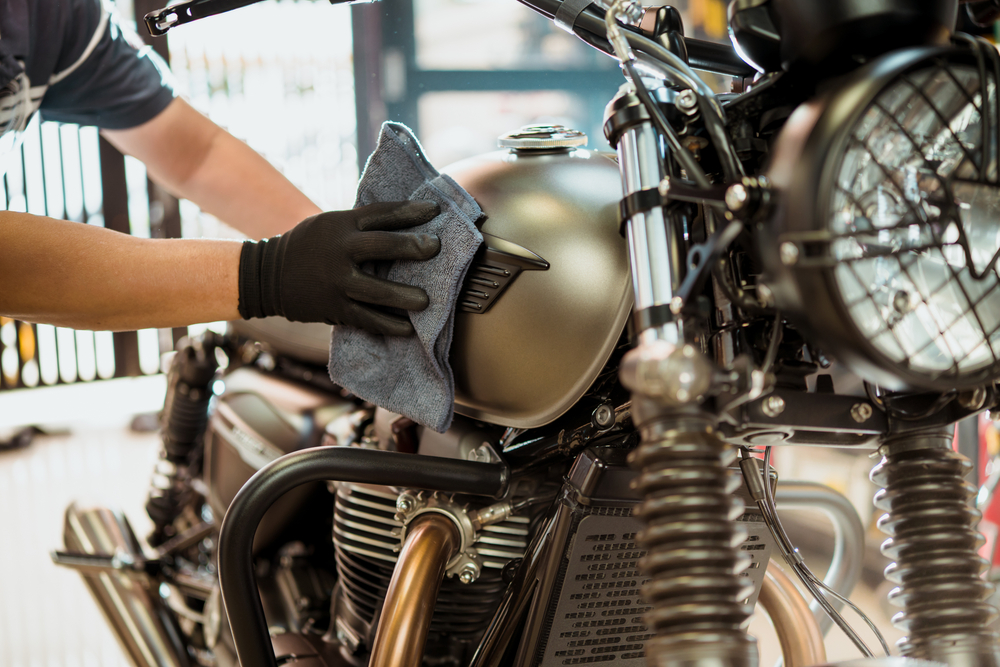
[{"x": 589, "y": 26}]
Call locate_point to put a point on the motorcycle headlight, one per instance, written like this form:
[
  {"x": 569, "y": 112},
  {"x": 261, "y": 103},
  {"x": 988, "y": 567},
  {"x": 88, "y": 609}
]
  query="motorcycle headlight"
[{"x": 886, "y": 245}]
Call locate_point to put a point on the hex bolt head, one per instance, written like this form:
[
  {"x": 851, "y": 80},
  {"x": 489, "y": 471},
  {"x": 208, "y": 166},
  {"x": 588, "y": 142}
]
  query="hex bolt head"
[
  {"x": 861, "y": 412},
  {"x": 772, "y": 406}
]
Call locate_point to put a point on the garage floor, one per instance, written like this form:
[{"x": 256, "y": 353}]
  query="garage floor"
[{"x": 47, "y": 618}]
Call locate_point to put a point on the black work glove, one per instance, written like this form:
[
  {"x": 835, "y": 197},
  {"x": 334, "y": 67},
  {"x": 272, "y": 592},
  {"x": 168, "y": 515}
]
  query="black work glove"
[{"x": 312, "y": 272}]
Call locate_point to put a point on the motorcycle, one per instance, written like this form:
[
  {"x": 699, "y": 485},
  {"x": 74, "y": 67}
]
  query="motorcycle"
[{"x": 811, "y": 259}]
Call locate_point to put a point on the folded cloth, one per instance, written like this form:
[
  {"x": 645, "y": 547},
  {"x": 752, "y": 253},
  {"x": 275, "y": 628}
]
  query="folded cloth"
[{"x": 412, "y": 375}]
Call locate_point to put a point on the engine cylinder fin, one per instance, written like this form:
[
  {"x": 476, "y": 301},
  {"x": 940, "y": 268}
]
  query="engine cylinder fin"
[
  {"x": 366, "y": 540},
  {"x": 700, "y": 610},
  {"x": 933, "y": 541},
  {"x": 365, "y": 523}
]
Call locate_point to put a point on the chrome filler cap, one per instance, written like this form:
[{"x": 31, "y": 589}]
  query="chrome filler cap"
[{"x": 542, "y": 137}]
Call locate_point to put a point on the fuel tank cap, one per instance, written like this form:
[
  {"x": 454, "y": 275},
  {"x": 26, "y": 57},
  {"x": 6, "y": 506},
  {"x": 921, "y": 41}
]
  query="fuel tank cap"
[{"x": 543, "y": 137}]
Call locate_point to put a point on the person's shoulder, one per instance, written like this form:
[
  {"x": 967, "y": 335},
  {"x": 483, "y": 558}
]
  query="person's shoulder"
[{"x": 80, "y": 24}]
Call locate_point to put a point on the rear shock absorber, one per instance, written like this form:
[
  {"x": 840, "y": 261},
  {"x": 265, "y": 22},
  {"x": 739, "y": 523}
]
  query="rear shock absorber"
[
  {"x": 931, "y": 522},
  {"x": 185, "y": 415},
  {"x": 699, "y": 604}
]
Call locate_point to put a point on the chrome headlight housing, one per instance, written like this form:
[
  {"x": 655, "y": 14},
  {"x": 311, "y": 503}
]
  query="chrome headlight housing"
[{"x": 886, "y": 244}]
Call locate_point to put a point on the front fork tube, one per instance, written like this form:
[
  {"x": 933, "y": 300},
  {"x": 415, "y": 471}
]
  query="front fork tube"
[{"x": 692, "y": 538}]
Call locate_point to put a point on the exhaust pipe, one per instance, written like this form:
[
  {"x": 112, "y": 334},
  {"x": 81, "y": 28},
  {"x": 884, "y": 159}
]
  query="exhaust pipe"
[
  {"x": 127, "y": 596},
  {"x": 431, "y": 541},
  {"x": 797, "y": 629}
]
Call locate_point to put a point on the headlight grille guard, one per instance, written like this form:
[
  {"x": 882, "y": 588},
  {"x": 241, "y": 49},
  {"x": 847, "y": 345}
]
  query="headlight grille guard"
[{"x": 890, "y": 216}]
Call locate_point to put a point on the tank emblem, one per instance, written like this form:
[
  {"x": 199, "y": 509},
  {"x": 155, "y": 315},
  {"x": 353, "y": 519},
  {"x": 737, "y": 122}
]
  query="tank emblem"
[{"x": 496, "y": 264}]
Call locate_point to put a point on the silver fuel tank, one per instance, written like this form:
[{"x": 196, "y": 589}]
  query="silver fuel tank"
[{"x": 546, "y": 298}]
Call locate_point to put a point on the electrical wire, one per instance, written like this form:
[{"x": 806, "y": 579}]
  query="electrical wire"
[
  {"x": 777, "y": 333},
  {"x": 668, "y": 64},
  {"x": 690, "y": 165},
  {"x": 760, "y": 490}
]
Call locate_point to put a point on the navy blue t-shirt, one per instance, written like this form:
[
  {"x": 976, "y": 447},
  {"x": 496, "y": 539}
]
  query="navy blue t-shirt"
[{"x": 73, "y": 62}]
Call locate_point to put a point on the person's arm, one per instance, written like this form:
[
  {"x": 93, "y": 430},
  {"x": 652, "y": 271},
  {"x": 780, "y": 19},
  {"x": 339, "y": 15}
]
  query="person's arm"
[
  {"x": 196, "y": 159},
  {"x": 85, "y": 277},
  {"x": 76, "y": 275}
]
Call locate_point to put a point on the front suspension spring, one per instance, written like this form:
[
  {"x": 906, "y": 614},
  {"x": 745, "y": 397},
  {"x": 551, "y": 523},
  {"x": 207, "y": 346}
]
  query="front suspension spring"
[
  {"x": 699, "y": 601},
  {"x": 931, "y": 522}
]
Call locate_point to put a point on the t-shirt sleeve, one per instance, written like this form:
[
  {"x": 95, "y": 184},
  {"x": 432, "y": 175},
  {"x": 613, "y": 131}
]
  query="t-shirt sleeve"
[{"x": 113, "y": 86}]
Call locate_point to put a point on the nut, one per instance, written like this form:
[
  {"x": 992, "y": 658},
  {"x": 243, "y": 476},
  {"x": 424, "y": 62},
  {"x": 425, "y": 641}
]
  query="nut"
[
  {"x": 861, "y": 412},
  {"x": 772, "y": 406},
  {"x": 660, "y": 370},
  {"x": 405, "y": 503},
  {"x": 469, "y": 573}
]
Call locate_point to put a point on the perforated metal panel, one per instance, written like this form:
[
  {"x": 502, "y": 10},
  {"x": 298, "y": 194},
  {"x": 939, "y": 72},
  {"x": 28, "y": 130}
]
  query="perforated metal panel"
[{"x": 598, "y": 617}]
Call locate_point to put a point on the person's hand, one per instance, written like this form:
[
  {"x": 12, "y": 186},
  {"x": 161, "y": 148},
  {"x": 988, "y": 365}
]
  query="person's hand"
[{"x": 312, "y": 272}]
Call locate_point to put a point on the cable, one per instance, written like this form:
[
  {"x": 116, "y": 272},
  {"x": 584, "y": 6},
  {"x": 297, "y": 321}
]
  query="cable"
[
  {"x": 669, "y": 64},
  {"x": 673, "y": 67},
  {"x": 777, "y": 333},
  {"x": 691, "y": 166},
  {"x": 760, "y": 490},
  {"x": 805, "y": 574}
]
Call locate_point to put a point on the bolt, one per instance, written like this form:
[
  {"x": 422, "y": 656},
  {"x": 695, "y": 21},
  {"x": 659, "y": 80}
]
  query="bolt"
[
  {"x": 664, "y": 187},
  {"x": 974, "y": 399},
  {"x": 789, "y": 253},
  {"x": 468, "y": 573},
  {"x": 405, "y": 503},
  {"x": 604, "y": 416},
  {"x": 861, "y": 412},
  {"x": 902, "y": 302},
  {"x": 764, "y": 295},
  {"x": 772, "y": 406},
  {"x": 676, "y": 305},
  {"x": 687, "y": 102},
  {"x": 737, "y": 197}
]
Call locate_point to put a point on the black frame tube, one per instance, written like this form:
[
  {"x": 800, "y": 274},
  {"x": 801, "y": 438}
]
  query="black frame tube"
[{"x": 341, "y": 464}]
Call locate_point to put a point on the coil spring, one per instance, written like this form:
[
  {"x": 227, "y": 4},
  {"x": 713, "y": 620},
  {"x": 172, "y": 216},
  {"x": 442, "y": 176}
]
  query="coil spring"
[
  {"x": 933, "y": 542},
  {"x": 185, "y": 416},
  {"x": 698, "y": 598}
]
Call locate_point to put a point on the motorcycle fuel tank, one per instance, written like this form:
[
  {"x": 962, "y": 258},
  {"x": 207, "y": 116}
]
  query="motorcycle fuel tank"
[{"x": 547, "y": 296}]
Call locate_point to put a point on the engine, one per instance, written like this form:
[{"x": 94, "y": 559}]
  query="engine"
[{"x": 367, "y": 536}]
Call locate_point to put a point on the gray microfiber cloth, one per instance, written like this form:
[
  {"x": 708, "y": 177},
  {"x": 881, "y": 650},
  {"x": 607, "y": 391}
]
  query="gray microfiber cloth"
[{"x": 411, "y": 375}]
